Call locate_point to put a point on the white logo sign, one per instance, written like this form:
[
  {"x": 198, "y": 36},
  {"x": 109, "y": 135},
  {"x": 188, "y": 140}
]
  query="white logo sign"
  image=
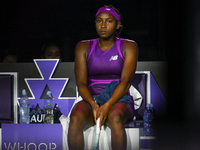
[
  {"x": 107, "y": 9},
  {"x": 114, "y": 58},
  {"x": 30, "y": 146}
]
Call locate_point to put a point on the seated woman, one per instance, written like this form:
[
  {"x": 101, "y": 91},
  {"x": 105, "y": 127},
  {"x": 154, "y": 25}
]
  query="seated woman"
[{"x": 99, "y": 62}]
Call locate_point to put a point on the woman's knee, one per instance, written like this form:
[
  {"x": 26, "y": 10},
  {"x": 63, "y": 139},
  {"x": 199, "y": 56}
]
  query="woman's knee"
[
  {"x": 76, "y": 118},
  {"x": 81, "y": 116},
  {"x": 114, "y": 118}
]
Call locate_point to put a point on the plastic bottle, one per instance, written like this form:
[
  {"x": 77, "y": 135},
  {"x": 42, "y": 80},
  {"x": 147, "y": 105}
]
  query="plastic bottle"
[
  {"x": 24, "y": 109},
  {"x": 48, "y": 108},
  {"x": 148, "y": 119}
]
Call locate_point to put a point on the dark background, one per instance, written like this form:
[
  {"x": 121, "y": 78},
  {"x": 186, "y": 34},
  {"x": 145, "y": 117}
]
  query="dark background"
[{"x": 27, "y": 25}]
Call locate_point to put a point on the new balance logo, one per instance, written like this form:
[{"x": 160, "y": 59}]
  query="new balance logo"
[
  {"x": 107, "y": 9},
  {"x": 114, "y": 58}
]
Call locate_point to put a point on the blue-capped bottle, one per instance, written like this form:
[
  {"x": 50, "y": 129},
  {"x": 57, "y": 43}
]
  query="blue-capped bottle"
[
  {"x": 48, "y": 108},
  {"x": 148, "y": 119},
  {"x": 24, "y": 108}
]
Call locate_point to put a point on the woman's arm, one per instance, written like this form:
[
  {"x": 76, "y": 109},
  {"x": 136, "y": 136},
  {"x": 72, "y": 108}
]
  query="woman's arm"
[
  {"x": 130, "y": 52},
  {"x": 82, "y": 75}
]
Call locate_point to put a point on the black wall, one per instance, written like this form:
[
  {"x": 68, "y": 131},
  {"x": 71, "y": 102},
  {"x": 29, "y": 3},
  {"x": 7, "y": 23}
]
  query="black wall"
[{"x": 27, "y": 25}]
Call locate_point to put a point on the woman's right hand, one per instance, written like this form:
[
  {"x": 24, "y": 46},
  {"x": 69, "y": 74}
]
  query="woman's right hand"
[{"x": 95, "y": 109}]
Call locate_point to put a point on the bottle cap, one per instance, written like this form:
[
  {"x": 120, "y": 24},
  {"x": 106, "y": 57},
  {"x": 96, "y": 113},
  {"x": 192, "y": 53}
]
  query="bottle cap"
[
  {"x": 48, "y": 93},
  {"x": 24, "y": 92},
  {"x": 151, "y": 105},
  {"x": 148, "y": 106}
]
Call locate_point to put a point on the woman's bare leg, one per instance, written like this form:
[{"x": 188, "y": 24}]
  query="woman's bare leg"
[
  {"x": 119, "y": 114},
  {"x": 81, "y": 118}
]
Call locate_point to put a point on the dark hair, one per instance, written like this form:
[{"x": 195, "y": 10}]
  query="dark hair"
[{"x": 120, "y": 15}]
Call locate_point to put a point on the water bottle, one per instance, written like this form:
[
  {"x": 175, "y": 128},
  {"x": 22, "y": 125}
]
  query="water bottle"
[
  {"x": 148, "y": 119},
  {"x": 24, "y": 109},
  {"x": 48, "y": 108}
]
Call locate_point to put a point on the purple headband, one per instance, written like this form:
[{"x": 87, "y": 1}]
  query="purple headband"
[{"x": 109, "y": 10}]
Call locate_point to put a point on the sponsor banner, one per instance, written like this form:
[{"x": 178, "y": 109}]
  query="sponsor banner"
[{"x": 31, "y": 137}]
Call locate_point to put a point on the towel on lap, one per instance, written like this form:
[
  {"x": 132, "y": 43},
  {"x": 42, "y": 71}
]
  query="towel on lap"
[{"x": 107, "y": 93}]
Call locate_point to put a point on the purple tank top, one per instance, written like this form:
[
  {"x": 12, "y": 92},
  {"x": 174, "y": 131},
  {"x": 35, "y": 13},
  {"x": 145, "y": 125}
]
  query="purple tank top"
[{"x": 104, "y": 66}]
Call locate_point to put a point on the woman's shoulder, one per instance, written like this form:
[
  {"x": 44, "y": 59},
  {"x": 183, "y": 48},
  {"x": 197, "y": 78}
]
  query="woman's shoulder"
[
  {"x": 128, "y": 41},
  {"x": 85, "y": 43},
  {"x": 129, "y": 44}
]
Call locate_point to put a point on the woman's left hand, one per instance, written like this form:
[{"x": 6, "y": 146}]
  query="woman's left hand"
[{"x": 103, "y": 113}]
